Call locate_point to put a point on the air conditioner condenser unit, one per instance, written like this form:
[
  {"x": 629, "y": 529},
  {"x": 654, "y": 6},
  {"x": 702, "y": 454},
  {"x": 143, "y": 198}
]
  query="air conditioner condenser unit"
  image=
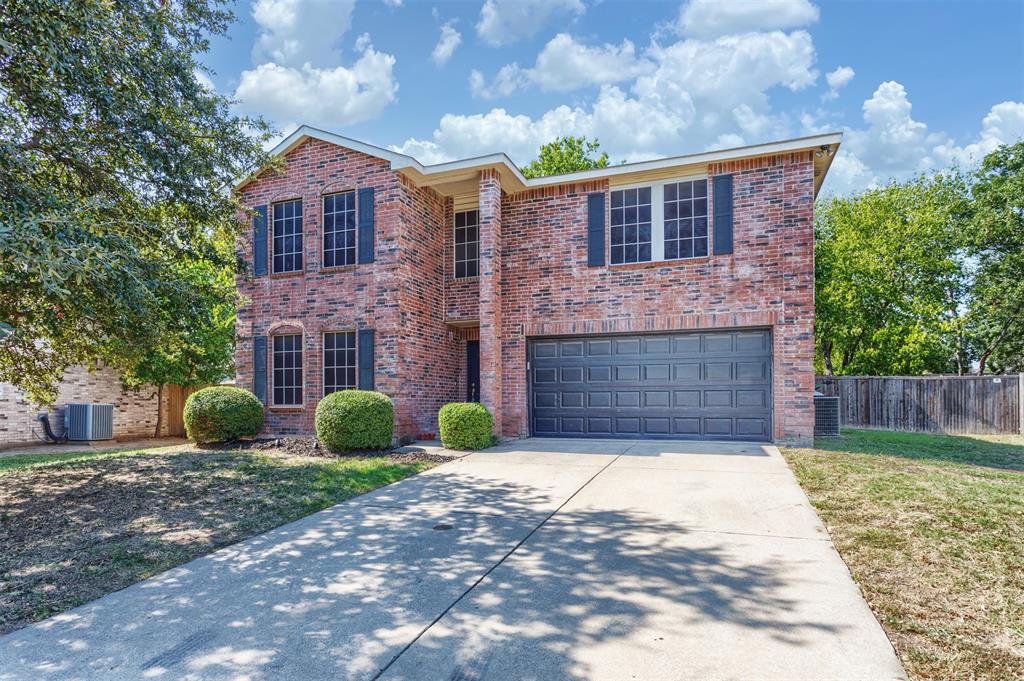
[{"x": 89, "y": 421}]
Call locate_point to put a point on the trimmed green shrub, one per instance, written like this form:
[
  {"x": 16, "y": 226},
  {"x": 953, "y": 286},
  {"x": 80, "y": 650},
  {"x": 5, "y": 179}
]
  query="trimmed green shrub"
[
  {"x": 350, "y": 420},
  {"x": 222, "y": 413},
  {"x": 465, "y": 425}
]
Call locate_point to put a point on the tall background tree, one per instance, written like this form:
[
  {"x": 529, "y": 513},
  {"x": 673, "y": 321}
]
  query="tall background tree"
[
  {"x": 924, "y": 276},
  {"x": 995, "y": 241},
  {"x": 114, "y": 167},
  {"x": 566, "y": 155}
]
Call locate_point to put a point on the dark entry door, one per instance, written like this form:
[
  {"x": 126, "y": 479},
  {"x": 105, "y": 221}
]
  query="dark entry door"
[
  {"x": 694, "y": 385},
  {"x": 472, "y": 371}
]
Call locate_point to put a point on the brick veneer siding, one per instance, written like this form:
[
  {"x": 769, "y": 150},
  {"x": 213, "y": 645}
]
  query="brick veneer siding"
[
  {"x": 135, "y": 413},
  {"x": 534, "y": 281},
  {"x": 398, "y": 295},
  {"x": 492, "y": 279},
  {"x": 767, "y": 281}
]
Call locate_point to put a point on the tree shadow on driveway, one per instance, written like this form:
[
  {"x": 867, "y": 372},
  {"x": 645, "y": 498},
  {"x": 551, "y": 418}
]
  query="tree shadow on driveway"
[{"x": 343, "y": 592}]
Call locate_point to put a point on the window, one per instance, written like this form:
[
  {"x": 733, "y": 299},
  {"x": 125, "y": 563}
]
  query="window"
[
  {"x": 288, "y": 370},
  {"x": 662, "y": 221},
  {"x": 339, "y": 361},
  {"x": 631, "y": 225},
  {"x": 288, "y": 236},
  {"x": 340, "y": 229},
  {"x": 686, "y": 219},
  {"x": 467, "y": 244}
]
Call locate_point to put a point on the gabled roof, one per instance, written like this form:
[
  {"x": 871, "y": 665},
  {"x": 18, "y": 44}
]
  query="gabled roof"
[{"x": 454, "y": 172}]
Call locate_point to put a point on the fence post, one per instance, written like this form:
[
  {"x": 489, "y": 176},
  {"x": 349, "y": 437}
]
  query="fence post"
[{"x": 1020, "y": 402}]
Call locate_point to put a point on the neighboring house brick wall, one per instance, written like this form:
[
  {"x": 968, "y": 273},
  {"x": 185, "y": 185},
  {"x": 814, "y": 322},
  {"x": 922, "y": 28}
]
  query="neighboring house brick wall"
[{"x": 135, "y": 413}]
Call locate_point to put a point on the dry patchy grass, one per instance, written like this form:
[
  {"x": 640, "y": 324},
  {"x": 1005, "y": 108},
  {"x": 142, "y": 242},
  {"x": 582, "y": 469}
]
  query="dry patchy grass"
[
  {"x": 75, "y": 527},
  {"x": 931, "y": 527}
]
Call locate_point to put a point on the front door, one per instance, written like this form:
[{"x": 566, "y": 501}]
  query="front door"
[{"x": 472, "y": 371}]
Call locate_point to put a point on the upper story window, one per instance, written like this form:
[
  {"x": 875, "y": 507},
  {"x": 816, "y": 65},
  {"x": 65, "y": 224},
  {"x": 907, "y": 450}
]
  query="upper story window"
[
  {"x": 467, "y": 244},
  {"x": 339, "y": 361},
  {"x": 660, "y": 221},
  {"x": 340, "y": 229},
  {"x": 287, "y": 371},
  {"x": 686, "y": 219},
  {"x": 287, "y": 247},
  {"x": 631, "y": 225}
]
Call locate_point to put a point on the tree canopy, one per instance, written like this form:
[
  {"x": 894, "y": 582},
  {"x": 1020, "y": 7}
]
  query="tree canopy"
[
  {"x": 924, "y": 276},
  {"x": 115, "y": 169},
  {"x": 566, "y": 155}
]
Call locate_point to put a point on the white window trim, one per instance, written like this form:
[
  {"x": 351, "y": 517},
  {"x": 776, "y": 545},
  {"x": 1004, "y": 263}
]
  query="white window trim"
[
  {"x": 658, "y": 217},
  {"x": 323, "y": 354},
  {"x": 477, "y": 242},
  {"x": 273, "y": 358}
]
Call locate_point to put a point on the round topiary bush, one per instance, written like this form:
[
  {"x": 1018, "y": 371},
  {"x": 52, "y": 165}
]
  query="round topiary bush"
[
  {"x": 222, "y": 413},
  {"x": 465, "y": 425},
  {"x": 350, "y": 420}
]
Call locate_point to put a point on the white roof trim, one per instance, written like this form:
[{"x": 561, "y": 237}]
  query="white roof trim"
[
  {"x": 690, "y": 159},
  {"x": 401, "y": 161}
]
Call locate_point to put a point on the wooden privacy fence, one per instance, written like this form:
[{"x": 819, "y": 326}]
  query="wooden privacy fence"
[
  {"x": 175, "y": 401},
  {"x": 929, "y": 404}
]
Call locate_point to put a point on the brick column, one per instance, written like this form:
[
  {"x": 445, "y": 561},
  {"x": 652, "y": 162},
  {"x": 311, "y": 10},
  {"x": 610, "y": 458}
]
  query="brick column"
[{"x": 490, "y": 294}]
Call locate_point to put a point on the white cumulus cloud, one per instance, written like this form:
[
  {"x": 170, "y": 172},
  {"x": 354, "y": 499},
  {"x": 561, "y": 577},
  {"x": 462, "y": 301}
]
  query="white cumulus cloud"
[
  {"x": 294, "y": 32},
  {"x": 837, "y": 80},
  {"x": 713, "y": 18},
  {"x": 503, "y": 22},
  {"x": 328, "y": 97},
  {"x": 565, "y": 64},
  {"x": 446, "y": 45}
]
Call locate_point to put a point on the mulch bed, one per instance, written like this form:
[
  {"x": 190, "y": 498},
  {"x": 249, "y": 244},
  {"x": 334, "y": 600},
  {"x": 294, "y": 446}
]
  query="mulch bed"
[{"x": 309, "y": 446}]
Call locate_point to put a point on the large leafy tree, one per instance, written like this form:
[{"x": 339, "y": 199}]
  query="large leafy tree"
[
  {"x": 114, "y": 167},
  {"x": 197, "y": 346},
  {"x": 566, "y": 155},
  {"x": 890, "y": 278},
  {"x": 995, "y": 240}
]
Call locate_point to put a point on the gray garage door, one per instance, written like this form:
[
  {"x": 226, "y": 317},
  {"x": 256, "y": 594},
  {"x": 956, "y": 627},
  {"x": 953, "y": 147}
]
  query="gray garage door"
[{"x": 699, "y": 385}]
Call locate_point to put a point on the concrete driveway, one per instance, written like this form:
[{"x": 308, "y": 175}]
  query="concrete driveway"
[{"x": 538, "y": 559}]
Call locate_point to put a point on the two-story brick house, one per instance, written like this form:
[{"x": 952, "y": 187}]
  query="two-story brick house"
[{"x": 668, "y": 299}]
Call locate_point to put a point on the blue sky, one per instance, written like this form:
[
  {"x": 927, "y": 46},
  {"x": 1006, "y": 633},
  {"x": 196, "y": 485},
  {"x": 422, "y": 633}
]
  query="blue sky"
[{"x": 914, "y": 85}]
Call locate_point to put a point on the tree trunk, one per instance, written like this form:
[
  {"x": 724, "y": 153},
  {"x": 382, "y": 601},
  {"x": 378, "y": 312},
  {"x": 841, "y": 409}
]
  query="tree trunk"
[
  {"x": 159, "y": 409},
  {"x": 826, "y": 354},
  {"x": 995, "y": 344}
]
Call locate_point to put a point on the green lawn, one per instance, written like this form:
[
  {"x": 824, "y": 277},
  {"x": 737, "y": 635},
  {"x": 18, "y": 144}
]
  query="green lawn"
[
  {"x": 932, "y": 528},
  {"x": 76, "y": 526}
]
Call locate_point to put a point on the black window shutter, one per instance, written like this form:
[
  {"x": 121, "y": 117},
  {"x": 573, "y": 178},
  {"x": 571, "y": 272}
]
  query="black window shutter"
[
  {"x": 365, "y": 225},
  {"x": 365, "y": 359},
  {"x": 259, "y": 241},
  {"x": 259, "y": 367},
  {"x": 722, "y": 185},
  {"x": 595, "y": 229}
]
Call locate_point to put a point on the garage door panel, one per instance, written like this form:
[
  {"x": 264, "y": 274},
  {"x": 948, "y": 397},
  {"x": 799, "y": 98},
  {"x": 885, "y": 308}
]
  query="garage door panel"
[
  {"x": 572, "y": 399},
  {"x": 687, "y": 385},
  {"x": 572, "y": 348},
  {"x": 717, "y": 372}
]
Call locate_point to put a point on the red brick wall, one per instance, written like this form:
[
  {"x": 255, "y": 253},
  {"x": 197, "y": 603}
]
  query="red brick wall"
[
  {"x": 319, "y": 300},
  {"x": 352, "y": 297},
  {"x": 768, "y": 280},
  {"x": 534, "y": 281},
  {"x": 462, "y": 296}
]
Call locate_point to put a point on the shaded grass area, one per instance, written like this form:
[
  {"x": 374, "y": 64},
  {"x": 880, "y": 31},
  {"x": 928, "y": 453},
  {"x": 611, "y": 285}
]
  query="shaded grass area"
[
  {"x": 932, "y": 528},
  {"x": 74, "y": 527}
]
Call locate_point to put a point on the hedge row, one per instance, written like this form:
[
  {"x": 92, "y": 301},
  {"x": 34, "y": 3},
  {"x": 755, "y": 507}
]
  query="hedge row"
[{"x": 345, "y": 421}]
